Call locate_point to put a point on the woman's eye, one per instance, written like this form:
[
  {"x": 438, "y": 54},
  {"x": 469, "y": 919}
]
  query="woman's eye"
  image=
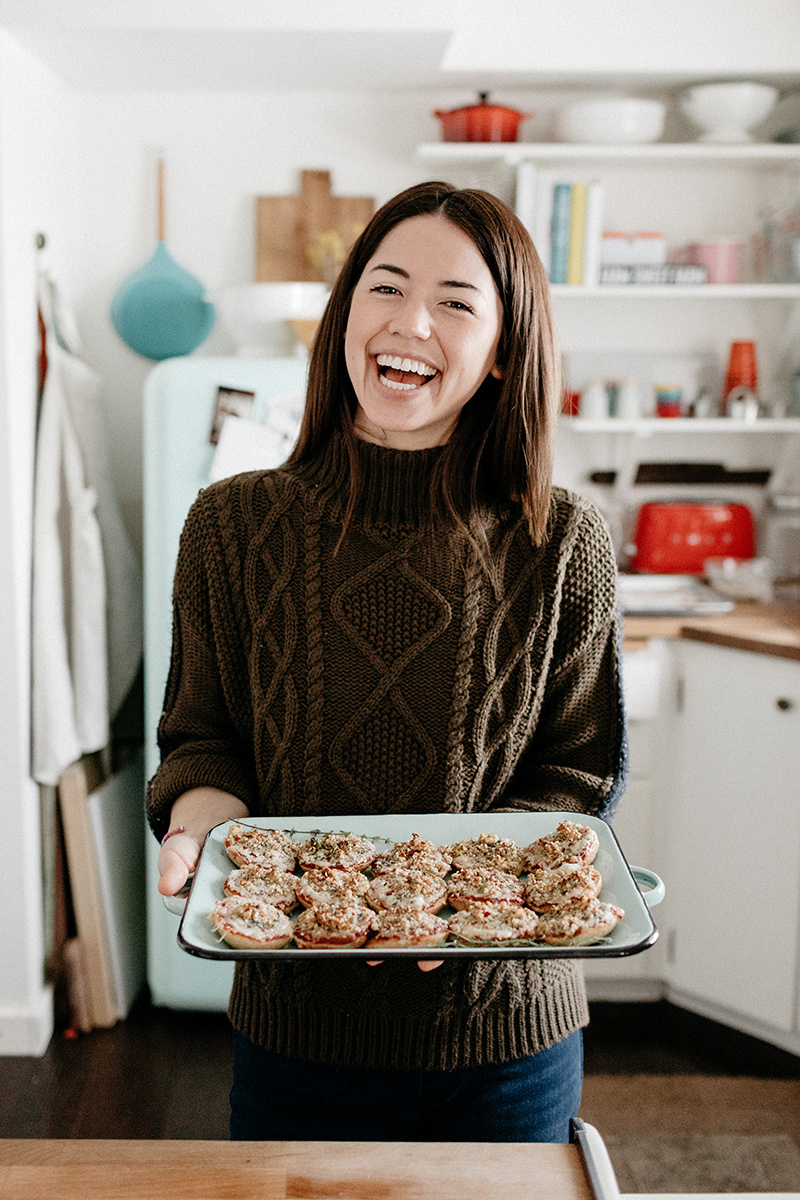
[
  {"x": 384, "y": 289},
  {"x": 459, "y": 305}
]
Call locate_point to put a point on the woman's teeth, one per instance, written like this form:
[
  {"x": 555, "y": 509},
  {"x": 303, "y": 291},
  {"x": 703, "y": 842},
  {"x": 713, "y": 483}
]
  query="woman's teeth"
[{"x": 406, "y": 373}]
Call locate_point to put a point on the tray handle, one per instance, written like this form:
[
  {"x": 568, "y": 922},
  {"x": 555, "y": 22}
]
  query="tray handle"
[
  {"x": 177, "y": 904},
  {"x": 653, "y": 890}
]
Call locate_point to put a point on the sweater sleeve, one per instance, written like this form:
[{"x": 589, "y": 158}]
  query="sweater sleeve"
[
  {"x": 576, "y": 757},
  {"x": 202, "y": 742}
]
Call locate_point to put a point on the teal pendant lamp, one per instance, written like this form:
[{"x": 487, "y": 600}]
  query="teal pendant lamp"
[{"x": 160, "y": 311}]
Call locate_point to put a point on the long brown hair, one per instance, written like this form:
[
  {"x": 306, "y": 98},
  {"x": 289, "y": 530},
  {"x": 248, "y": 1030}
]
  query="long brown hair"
[{"x": 503, "y": 446}]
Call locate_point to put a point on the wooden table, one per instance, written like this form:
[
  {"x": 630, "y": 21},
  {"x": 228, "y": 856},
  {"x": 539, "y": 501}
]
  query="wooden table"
[{"x": 107, "y": 1169}]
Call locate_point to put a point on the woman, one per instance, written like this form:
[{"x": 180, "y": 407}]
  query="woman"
[{"x": 405, "y": 617}]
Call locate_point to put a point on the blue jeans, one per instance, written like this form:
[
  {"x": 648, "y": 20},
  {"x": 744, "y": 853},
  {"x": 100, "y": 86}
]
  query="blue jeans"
[{"x": 283, "y": 1099}]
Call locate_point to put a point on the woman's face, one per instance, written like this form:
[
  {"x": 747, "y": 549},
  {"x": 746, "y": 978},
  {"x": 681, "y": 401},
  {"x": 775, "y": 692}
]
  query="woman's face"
[{"x": 422, "y": 334}]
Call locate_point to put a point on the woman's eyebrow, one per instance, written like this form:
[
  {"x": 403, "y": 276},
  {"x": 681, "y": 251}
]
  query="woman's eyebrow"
[{"x": 445, "y": 283}]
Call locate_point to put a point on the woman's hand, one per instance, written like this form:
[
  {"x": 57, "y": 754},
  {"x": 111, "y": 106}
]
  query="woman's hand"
[
  {"x": 197, "y": 811},
  {"x": 424, "y": 964}
]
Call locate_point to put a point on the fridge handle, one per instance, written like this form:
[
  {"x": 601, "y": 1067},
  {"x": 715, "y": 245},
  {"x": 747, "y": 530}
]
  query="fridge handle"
[
  {"x": 597, "y": 1165},
  {"x": 654, "y": 884}
]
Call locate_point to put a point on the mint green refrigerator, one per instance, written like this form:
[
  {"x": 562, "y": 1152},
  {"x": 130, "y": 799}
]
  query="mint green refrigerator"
[{"x": 253, "y": 406}]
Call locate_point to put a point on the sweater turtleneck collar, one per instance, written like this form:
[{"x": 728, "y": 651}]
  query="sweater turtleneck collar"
[{"x": 395, "y": 484}]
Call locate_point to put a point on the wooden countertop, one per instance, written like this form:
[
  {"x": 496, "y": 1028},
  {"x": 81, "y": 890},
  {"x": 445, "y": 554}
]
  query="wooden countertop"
[
  {"x": 109, "y": 1169},
  {"x": 761, "y": 628}
]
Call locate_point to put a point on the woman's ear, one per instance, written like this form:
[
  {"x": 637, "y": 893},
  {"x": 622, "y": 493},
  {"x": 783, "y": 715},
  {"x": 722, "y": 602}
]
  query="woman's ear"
[{"x": 497, "y": 371}]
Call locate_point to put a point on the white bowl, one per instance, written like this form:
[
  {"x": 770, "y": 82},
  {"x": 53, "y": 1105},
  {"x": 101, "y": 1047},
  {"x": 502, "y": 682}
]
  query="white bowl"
[
  {"x": 726, "y": 112},
  {"x": 256, "y": 314},
  {"x": 741, "y": 578},
  {"x": 612, "y": 120}
]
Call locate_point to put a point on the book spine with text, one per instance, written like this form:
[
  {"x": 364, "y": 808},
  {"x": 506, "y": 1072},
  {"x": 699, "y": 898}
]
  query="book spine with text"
[
  {"x": 577, "y": 233},
  {"x": 559, "y": 232},
  {"x": 593, "y": 239}
]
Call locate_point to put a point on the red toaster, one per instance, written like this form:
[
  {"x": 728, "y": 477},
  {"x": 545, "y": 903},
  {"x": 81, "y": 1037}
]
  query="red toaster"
[{"x": 676, "y": 538}]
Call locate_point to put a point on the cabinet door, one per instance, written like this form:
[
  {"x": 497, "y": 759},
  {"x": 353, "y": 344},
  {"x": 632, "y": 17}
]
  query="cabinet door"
[{"x": 733, "y": 878}]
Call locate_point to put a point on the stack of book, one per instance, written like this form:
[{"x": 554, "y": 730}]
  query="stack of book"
[{"x": 565, "y": 220}]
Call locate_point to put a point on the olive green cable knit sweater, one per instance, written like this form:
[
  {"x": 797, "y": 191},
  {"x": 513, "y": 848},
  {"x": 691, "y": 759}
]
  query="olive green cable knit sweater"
[{"x": 392, "y": 676}]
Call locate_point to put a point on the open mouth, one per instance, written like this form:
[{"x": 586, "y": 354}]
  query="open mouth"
[{"x": 404, "y": 374}]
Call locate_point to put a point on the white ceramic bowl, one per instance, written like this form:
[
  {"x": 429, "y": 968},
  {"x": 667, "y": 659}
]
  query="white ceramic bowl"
[
  {"x": 614, "y": 120},
  {"x": 256, "y": 314},
  {"x": 726, "y": 112},
  {"x": 741, "y": 578}
]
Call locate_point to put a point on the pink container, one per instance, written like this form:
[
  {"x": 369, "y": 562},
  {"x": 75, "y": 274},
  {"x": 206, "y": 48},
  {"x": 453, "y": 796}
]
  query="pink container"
[{"x": 720, "y": 257}]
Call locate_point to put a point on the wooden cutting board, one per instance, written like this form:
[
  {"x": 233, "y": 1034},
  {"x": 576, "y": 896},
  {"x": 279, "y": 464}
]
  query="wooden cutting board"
[
  {"x": 287, "y": 225},
  {"x": 106, "y": 1169}
]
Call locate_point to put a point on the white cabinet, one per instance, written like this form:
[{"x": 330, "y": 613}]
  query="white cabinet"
[
  {"x": 646, "y": 674},
  {"x": 733, "y": 837}
]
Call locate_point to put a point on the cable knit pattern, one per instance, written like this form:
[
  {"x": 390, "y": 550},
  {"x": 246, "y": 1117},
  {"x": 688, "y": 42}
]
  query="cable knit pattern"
[{"x": 392, "y": 675}]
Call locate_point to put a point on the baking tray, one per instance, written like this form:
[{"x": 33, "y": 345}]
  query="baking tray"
[{"x": 621, "y": 883}]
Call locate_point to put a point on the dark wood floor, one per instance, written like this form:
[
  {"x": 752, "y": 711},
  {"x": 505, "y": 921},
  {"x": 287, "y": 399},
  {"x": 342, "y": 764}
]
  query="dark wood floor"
[{"x": 166, "y": 1074}]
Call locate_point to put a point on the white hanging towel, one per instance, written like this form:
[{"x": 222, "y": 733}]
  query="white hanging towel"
[{"x": 70, "y": 714}]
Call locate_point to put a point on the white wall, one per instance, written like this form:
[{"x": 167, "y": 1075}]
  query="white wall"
[
  {"x": 221, "y": 151},
  {"x": 31, "y": 168}
]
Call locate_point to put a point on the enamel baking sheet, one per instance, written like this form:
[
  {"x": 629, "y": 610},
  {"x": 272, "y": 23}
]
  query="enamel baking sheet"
[{"x": 633, "y": 933}]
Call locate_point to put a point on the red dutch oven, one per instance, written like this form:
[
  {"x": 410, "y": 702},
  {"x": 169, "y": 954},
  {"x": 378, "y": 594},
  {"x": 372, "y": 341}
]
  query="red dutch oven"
[{"x": 481, "y": 122}]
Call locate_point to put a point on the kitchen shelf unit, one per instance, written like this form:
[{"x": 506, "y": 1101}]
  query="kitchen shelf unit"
[
  {"x": 764, "y": 310},
  {"x": 650, "y": 425},
  {"x": 514, "y": 153},
  {"x": 667, "y": 291}
]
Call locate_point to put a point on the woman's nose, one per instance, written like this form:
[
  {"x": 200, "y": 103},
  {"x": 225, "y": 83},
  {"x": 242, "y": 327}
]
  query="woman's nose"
[{"x": 411, "y": 319}]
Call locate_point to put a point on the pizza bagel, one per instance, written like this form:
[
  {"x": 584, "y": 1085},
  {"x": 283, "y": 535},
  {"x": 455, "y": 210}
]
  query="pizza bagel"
[
  {"x": 407, "y": 929},
  {"x": 251, "y": 924},
  {"x": 549, "y": 890},
  {"x": 250, "y": 847},
  {"x": 334, "y": 927},
  {"x": 484, "y": 885},
  {"x": 270, "y": 884}
]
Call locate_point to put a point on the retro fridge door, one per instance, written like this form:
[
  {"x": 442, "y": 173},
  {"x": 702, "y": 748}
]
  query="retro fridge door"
[{"x": 180, "y": 398}]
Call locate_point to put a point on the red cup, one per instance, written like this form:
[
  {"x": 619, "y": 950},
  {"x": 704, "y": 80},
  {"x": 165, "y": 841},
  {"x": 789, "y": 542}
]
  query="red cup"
[{"x": 742, "y": 371}]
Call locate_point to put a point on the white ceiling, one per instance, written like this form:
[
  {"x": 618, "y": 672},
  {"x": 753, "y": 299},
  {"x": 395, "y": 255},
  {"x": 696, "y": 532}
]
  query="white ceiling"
[{"x": 468, "y": 45}]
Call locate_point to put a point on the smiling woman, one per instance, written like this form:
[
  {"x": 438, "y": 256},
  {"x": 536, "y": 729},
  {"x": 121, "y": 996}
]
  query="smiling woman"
[
  {"x": 404, "y": 618},
  {"x": 422, "y": 334}
]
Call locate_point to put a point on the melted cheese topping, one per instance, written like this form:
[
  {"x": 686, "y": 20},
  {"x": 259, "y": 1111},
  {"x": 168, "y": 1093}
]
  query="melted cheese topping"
[
  {"x": 579, "y": 923},
  {"x": 253, "y": 918},
  {"x": 416, "y": 853},
  {"x": 547, "y": 890},
  {"x": 342, "y": 851},
  {"x": 265, "y": 847},
  {"x": 405, "y": 924},
  {"x": 494, "y": 923},
  {"x": 406, "y": 889},
  {"x": 570, "y": 843},
  {"x": 346, "y": 921},
  {"x": 488, "y": 850},
  {"x": 484, "y": 885},
  {"x": 324, "y": 885},
  {"x": 262, "y": 883}
]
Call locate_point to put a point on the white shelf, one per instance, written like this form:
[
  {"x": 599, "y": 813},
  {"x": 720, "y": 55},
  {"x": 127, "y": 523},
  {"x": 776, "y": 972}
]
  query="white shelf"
[
  {"x": 705, "y": 291},
  {"x": 648, "y": 425},
  {"x": 513, "y": 153}
]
